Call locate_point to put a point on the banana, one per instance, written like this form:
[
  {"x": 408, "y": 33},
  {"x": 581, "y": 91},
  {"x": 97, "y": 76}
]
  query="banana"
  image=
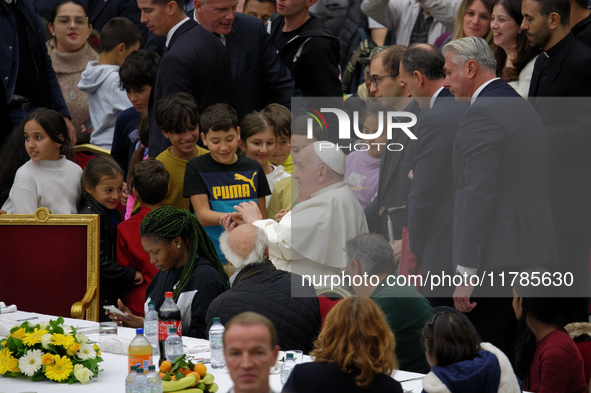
[
  {"x": 207, "y": 379},
  {"x": 179, "y": 384},
  {"x": 192, "y": 390},
  {"x": 213, "y": 388}
]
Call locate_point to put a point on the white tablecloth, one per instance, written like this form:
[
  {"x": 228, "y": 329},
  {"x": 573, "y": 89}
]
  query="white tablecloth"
[{"x": 112, "y": 379}]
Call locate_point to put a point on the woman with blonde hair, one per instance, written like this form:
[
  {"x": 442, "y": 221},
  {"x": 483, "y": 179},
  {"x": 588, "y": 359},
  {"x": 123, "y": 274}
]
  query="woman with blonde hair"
[
  {"x": 353, "y": 353},
  {"x": 472, "y": 20}
]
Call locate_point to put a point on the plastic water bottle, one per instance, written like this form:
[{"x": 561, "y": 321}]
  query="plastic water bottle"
[
  {"x": 286, "y": 367},
  {"x": 173, "y": 345},
  {"x": 155, "y": 380},
  {"x": 140, "y": 383},
  {"x": 216, "y": 344},
  {"x": 151, "y": 328},
  {"x": 139, "y": 351},
  {"x": 129, "y": 379}
]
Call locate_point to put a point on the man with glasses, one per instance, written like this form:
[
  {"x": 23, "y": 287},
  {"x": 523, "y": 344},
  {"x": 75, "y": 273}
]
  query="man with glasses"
[{"x": 393, "y": 183}]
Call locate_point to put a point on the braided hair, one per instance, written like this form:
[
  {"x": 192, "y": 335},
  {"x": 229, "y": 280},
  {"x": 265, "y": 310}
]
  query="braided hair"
[{"x": 169, "y": 222}]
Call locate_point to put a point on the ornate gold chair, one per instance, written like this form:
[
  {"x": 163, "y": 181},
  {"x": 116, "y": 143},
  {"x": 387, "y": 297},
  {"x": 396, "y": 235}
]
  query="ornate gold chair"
[{"x": 49, "y": 263}]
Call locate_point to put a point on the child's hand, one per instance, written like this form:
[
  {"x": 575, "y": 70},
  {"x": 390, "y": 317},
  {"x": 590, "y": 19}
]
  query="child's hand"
[
  {"x": 139, "y": 278},
  {"x": 250, "y": 212},
  {"x": 280, "y": 215},
  {"x": 131, "y": 320},
  {"x": 124, "y": 194},
  {"x": 237, "y": 218},
  {"x": 227, "y": 222}
]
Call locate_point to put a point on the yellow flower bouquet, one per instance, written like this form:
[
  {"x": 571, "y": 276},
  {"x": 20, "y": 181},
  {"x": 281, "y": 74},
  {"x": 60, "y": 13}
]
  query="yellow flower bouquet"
[{"x": 49, "y": 350}]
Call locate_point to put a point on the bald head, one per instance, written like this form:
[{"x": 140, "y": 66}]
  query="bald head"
[{"x": 246, "y": 244}]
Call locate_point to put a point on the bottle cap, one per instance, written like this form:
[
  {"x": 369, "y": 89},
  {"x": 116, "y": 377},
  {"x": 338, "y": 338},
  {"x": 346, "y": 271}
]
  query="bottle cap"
[
  {"x": 152, "y": 368},
  {"x": 216, "y": 319},
  {"x": 172, "y": 329},
  {"x": 289, "y": 356},
  {"x": 139, "y": 370},
  {"x": 139, "y": 331},
  {"x": 133, "y": 368},
  {"x": 151, "y": 304},
  {"x": 168, "y": 294}
]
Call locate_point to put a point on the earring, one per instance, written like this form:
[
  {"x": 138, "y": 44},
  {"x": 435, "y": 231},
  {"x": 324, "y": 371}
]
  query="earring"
[{"x": 178, "y": 246}]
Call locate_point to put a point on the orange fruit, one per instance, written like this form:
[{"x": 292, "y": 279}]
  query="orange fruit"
[
  {"x": 197, "y": 376},
  {"x": 165, "y": 366},
  {"x": 162, "y": 375},
  {"x": 201, "y": 369},
  {"x": 184, "y": 371}
]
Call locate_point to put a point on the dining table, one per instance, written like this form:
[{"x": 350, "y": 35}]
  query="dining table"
[{"x": 115, "y": 366}]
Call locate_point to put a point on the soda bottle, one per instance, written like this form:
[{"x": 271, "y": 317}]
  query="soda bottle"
[
  {"x": 168, "y": 315},
  {"x": 216, "y": 344},
  {"x": 139, "y": 351},
  {"x": 140, "y": 383},
  {"x": 287, "y": 366},
  {"x": 173, "y": 345},
  {"x": 151, "y": 328},
  {"x": 129, "y": 379},
  {"x": 155, "y": 380}
]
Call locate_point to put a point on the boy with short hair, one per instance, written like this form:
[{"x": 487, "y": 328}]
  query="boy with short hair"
[
  {"x": 177, "y": 117},
  {"x": 218, "y": 181},
  {"x": 285, "y": 193},
  {"x": 136, "y": 78},
  {"x": 100, "y": 79},
  {"x": 150, "y": 186}
]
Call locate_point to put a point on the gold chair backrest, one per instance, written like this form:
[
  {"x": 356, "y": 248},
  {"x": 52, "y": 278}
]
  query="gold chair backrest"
[{"x": 49, "y": 263}]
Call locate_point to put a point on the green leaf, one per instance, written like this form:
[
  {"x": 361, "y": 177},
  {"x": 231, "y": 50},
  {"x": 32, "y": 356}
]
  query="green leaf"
[{"x": 38, "y": 377}]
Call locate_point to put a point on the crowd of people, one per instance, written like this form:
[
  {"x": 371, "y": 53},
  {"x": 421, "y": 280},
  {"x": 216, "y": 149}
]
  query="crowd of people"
[{"x": 213, "y": 184}]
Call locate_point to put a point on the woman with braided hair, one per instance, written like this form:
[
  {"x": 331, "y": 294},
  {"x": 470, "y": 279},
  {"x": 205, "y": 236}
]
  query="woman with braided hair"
[{"x": 188, "y": 266}]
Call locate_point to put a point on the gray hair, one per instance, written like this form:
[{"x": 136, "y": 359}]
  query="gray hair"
[
  {"x": 257, "y": 253},
  {"x": 373, "y": 252},
  {"x": 471, "y": 48}
]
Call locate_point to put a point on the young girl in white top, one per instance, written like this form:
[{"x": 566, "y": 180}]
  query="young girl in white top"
[
  {"x": 258, "y": 141},
  {"x": 48, "y": 179}
]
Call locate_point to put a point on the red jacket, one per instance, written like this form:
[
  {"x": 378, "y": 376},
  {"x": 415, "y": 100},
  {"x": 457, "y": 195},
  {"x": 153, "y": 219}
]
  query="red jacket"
[{"x": 131, "y": 253}]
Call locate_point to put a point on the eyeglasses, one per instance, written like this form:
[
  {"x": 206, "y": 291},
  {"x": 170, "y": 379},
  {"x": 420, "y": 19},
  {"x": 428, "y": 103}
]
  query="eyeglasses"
[
  {"x": 375, "y": 80},
  {"x": 79, "y": 21}
]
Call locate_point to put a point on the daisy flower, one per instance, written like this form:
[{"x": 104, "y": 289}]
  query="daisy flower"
[
  {"x": 6, "y": 361},
  {"x": 63, "y": 340},
  {"x": 60, "y": 370},
  {"x": 34, "y": 337},
  {"x": 30, "y": 363},
  {"x": 86, "y": 352}
]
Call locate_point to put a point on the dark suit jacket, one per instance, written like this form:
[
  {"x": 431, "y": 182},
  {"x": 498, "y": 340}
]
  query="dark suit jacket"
[
  {"x": 432, "y": 190},
  {"x": 569, "y": 137},
  {"x": 195, "y": 62},
  {"x": 502, "y": 217},
  {"x": 260, "y": 78},
  {"x": 582, "y": 31},
  {"x": 393, "y": 183}
]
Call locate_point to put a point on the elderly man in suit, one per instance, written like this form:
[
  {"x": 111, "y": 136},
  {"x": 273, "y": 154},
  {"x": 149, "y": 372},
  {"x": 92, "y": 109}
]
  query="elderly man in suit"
[
  {"x": 260, "y": 78},
  {"x": 432, "y": 190},
  {"x": 502, "y": 220},
  {"x": 195, "y": 62}
]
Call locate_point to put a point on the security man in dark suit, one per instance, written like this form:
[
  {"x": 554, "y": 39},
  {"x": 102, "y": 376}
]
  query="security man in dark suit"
[
  {"x": 502, "y": 221},
  {"x": 562, "y": 72},
  {"x": 432, "y": 189},
  {"x": 194, "y": 62},
  {"x": 260, "y": 78}
]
